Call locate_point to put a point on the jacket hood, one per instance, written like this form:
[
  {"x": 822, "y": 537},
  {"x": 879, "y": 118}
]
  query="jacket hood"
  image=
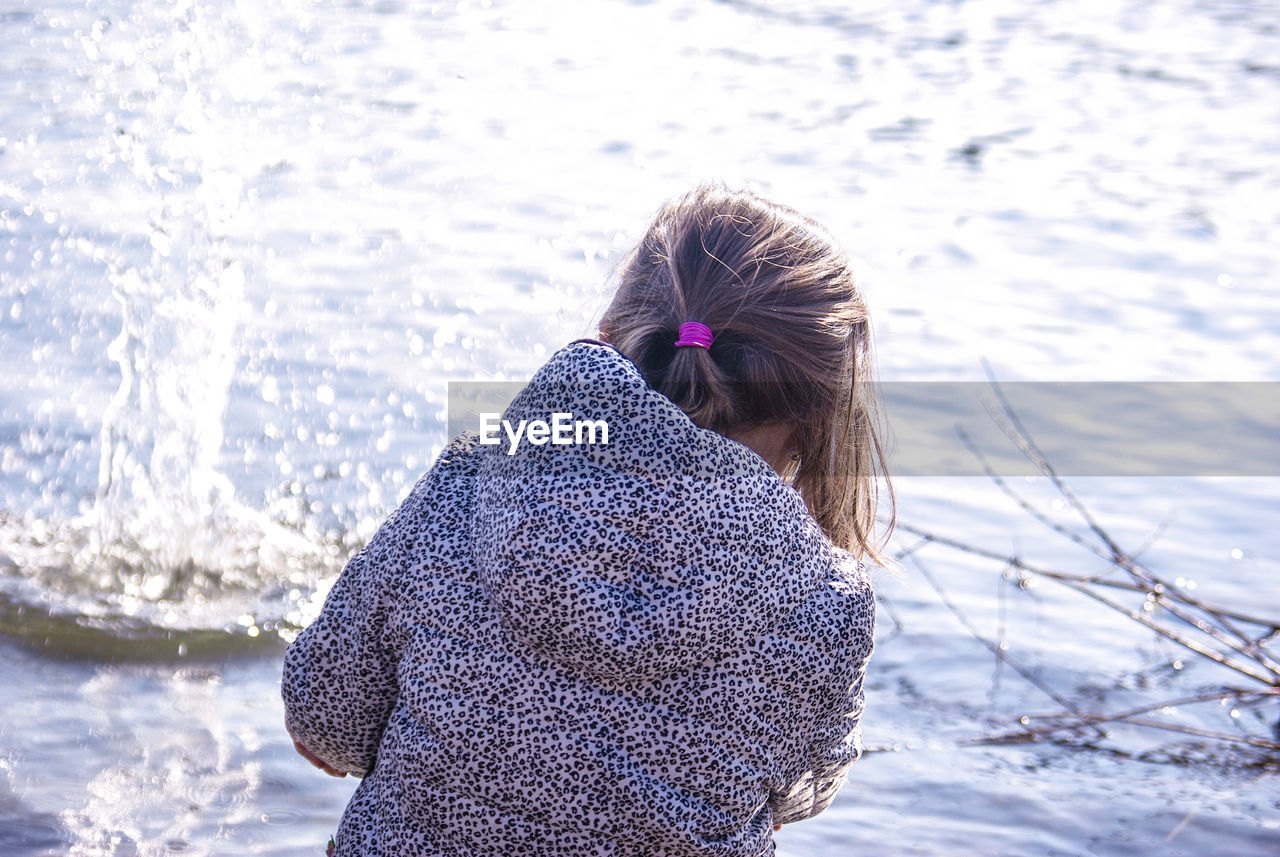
[{"x": 666, "y": 547}]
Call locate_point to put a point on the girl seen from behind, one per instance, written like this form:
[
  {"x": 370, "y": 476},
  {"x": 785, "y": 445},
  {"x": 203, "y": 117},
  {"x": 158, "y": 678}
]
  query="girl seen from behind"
[{"x": 653, "y": 645}]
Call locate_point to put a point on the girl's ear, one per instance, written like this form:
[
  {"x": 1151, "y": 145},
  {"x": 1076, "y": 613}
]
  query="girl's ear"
[{"x": 793, "y": 441}]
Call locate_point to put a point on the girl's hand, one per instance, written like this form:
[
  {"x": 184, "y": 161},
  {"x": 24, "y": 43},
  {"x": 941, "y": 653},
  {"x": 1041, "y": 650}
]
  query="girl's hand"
[{"x": 314, "y": 759}]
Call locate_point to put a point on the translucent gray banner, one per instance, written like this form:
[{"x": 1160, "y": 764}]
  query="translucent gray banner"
[{"x": 1081, "y": 428}]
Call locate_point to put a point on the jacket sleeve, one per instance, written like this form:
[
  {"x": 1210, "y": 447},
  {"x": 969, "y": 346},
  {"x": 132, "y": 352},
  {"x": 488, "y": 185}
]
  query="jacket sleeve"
[
  {"x": 339, "y": 682},
  {"x": 836, "y": 745},
  {"x": 834, "y": 742}
]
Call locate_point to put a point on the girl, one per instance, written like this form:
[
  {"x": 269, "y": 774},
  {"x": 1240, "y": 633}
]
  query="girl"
[{"x": 649, "y": 643}]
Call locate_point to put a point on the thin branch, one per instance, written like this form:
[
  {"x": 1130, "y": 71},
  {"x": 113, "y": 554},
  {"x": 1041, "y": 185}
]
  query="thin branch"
[
  {"x": 1217, "y": 624},
  {"x": 1246, "y": 647},
  {"x": 1209, "y": 696},
  {"x": 1218, "y": 657},
  {"x": 1028, "y": 735},
  {"x": 1137, "y": 617},
  {"x": 995, "y": 647},
  {"x": 1130, "y": 717},
  {"x": 1028, "y": 447},
  {"x": 1017, "y": 498},
  {"x": 1272, "y": 625},
  {"x": 1012, "y": 426},
  {"x": 898, "y": 627}
]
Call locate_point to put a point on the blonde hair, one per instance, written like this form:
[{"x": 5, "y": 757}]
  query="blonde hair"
[{"x": 792, "y": 343}]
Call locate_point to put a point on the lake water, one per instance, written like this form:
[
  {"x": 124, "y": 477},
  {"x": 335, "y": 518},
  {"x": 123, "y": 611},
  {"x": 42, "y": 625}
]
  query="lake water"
[{"x": 243, "y": 248}]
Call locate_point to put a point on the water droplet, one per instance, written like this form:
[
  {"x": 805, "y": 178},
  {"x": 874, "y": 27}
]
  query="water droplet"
[{"x": 153, "y": 587}]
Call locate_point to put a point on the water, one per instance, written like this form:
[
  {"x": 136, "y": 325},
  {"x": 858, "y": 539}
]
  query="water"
[{"x": 243, "y": 248}]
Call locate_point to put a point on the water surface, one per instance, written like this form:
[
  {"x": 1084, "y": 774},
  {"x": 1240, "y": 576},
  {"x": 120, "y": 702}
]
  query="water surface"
[{"x": 243, "y": 248}]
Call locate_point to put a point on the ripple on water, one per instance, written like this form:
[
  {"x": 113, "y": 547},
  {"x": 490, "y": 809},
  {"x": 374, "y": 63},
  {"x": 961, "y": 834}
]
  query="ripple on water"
[
  {"x": 23, "y": 832},
  {"x": 277, "y": 816},
  {"x": 64, "y": 595}
]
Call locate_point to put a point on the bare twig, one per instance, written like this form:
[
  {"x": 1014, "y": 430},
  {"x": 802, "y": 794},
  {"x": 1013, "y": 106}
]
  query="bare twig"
[
  {"x": 893, "y": 614},
  {"x": 1131, "y": 717},
  {"x": 926, "y": 536},
  {"x": 1022, "y": 439},
  {"x": 1027, "y": 735},
  {"x": 1012, "y": 426},
  {"x": 1139, "y": 617},
  {"x": 1231, "y": 629},
  {"x": 1000, "y": 483},
  {"x": 995, "y": 648},
  {"x": 1210, "y": 696},
  {"x": 1246, "y": 646}
]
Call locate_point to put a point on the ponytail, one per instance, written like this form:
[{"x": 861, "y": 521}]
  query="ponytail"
[{"x": 791, "y": 344}]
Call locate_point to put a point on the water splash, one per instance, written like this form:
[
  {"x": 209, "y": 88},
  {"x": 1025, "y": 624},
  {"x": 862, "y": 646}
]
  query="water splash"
[
  {"x": 165, "y": 558},
  {"x": 159, "y": 488}
]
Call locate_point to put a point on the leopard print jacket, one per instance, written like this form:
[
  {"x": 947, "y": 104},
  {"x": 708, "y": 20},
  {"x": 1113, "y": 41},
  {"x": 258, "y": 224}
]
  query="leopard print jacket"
[{"x": 639, "y": 647}]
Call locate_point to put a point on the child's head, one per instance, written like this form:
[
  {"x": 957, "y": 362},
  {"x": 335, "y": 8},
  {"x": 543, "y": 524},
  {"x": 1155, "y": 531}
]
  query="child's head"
[{"x": 792, "y": 342}]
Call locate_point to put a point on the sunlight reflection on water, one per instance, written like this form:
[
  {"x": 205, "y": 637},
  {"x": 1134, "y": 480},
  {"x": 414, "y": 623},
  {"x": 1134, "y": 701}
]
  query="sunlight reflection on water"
[{"x": 243, "y": 247}]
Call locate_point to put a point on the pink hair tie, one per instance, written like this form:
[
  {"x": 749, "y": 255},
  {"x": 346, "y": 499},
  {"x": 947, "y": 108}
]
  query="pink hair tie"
[{"x": 695, "y": 333}]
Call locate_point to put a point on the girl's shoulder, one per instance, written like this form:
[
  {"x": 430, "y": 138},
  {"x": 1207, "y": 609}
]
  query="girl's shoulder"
[
  {"x": 851, "y": 570},
  {"x": 848, "y": 602},
  {"x": 587, "y": 340}
]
